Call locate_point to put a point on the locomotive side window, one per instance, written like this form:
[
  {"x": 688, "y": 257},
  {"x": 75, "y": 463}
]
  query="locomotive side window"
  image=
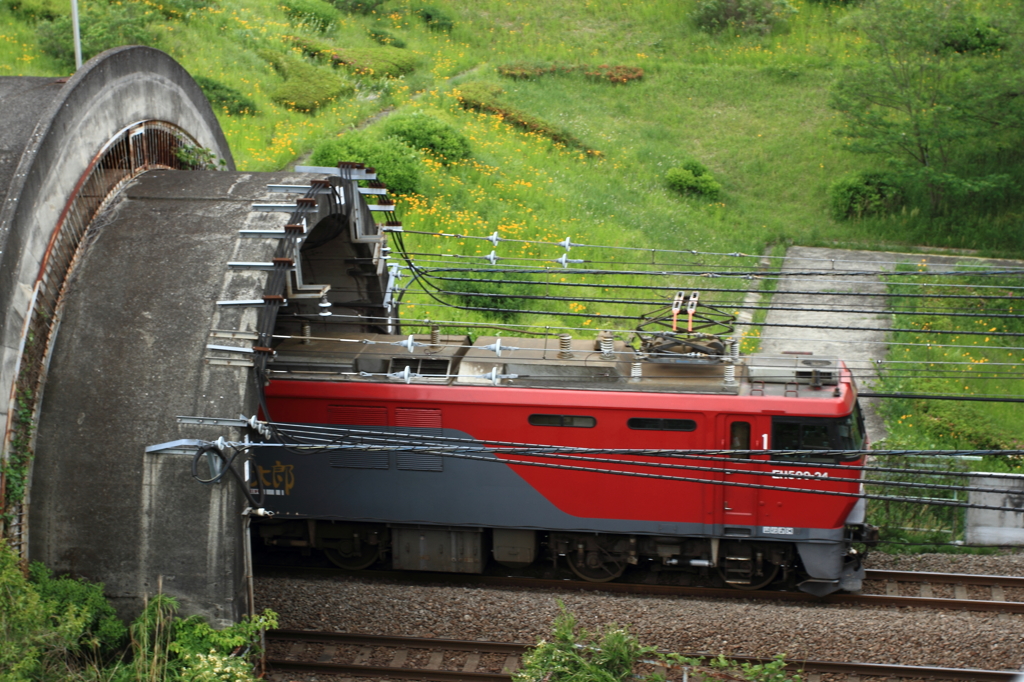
[
  {"x": 739, "y": 436},
  {"x": 646, "y": 424},
  {"x": 562, "y": 420}
]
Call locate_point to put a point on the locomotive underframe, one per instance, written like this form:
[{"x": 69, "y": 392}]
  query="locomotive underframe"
[{"x": 595, "y": 557}]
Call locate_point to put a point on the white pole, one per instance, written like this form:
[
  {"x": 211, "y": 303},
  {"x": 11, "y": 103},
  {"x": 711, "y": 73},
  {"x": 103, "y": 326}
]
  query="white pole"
[{"x": 78, "y": 36}]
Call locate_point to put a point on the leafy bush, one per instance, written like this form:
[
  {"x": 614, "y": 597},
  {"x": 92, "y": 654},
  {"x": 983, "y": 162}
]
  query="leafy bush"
[
  {"x": 385, "y": 38},
  {"x": 397, "y": 166},
  {"x": 610, "y": 74},
  {"x": 387, "y": 61},
  {"x": 103, "y": 26},
  {"x": 744, "y": 16},
  {"x": 375, "y": 61},
  {"x": 971, "y": 36},
  {"x": 357, "y": 6},
  {"x": 575, "y": 655},
  {"x": 693, "y": 178},
  {"x": 864, "y": 194},
  {"x": 421, "y": 131},
  {"x": 484, "y": 97},
  {"x": 434, "y": 18},
  {"x": 306, "y": 87},
  {"x": 100, "y": 621},
  {"x": 46, "y": 10},
  {"x": 224, "y": 98},
  {"x": 315, "y": 14},
  {"x": 615, "y": 74}
]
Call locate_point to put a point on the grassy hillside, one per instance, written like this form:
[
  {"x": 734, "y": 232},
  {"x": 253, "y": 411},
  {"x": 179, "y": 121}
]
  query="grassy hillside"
[{"x": 752, "y": 108}]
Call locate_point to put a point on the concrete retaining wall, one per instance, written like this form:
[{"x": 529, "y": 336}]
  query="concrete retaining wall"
[
  {"x": 129, "y": 359},
  {"x": 989, "y": 527}
]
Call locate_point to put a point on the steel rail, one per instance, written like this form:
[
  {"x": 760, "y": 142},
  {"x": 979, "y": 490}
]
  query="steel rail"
[
  {"x": 949, "y": 578},
  {"x": 870, "y": 600},
  {"x": 338, "y": 638}
]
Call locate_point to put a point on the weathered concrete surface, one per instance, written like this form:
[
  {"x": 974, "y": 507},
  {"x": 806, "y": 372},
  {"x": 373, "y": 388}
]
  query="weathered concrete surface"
[
  {"x": 112, "y": 91},
  {"x": 858, "y": 336},
  {"x": 22, "y": 100},
  {"x": 128, "y": 359},
  {"x": 805, "y": 271},
  {"x": 990, "y": 527}
]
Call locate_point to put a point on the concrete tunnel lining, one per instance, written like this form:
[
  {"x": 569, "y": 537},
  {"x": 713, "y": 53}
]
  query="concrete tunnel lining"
[
  {"x": 128, "y": 360},
  {"x": 112, "y": 91}
]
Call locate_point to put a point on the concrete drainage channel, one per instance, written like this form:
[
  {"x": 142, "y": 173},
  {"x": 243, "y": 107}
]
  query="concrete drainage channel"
[{"x": 830, "y": 302}]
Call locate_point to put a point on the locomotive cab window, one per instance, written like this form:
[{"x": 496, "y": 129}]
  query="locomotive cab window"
[
  {"x": 577, "y": 421},
  {"x": 646, "y": 424},
  {"x": 814, "y": 433}
]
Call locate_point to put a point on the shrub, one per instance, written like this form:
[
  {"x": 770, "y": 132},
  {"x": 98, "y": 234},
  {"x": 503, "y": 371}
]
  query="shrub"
[
  {"x": 357, "y": 6},
  {"x": 315, "y": 14},
  {"x": 744, "y": 16},
  {"x": 611, "y": 74},
  {"x": 397, "y": 166},
  {"x": 45, "y": 10},
  {"x": 615, "y": 74},
  {"x": 435, "y": 19},
  {"x": 306, "y": 87},
  {"x": 484, "y": 97},
  {"x": 100, "y": 621},
  {"x": 387, "y": 61},
  {"x": 970, "y": 36},
  {"x": 693, "y": 178},
  {"x": 864, "y": 194},
  {"x": 421, "y": 131},
  {"x": 103, "y": 26},
  {"x": 225, "y": 99},
  {"x": 375, "y": 61},
  {"x": 385, "y": 38}
]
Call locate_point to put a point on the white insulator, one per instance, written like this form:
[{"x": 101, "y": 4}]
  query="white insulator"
[
  {"x": 607, "y": 345},
  {"x": 636, "y": 370},
  {"x": 565, "y": 346},
  {"x": 307, "y": 333},
  {"x": 734, "y": 356},
  {"x": 435, "y": 335}
]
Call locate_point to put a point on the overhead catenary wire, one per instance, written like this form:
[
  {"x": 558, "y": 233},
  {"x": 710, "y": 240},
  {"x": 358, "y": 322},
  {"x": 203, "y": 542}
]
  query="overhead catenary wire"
[
  {"x": 711, "y": 274},
  {"x": 608, "y": 285},
  {"x": 717, "y": 304},
  {"x": 567, "y": 244},
  {"x": 467, "y": 455}
]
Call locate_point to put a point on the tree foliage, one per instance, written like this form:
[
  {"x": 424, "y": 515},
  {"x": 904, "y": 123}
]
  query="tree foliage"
[{"x": 936, "y": 87}]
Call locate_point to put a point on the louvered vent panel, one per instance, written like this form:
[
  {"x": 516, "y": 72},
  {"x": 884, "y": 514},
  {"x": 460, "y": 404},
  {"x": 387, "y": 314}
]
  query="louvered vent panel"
[
  {"x": 364, "y": 416},
  {"x": 359, "y": 460},
  {"x": 418, "y": 416},
  {"x": 420, "y": 461}
]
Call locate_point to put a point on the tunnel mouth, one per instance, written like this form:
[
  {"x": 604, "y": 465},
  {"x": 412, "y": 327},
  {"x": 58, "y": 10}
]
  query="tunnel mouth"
[{"x": 133, "y": 150}]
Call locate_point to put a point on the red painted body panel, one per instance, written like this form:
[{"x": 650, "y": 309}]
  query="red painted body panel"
[{"x": 501, "y": 414}]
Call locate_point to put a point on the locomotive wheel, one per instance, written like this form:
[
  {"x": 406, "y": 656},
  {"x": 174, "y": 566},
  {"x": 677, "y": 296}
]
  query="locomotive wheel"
[
  {"x": 608, "y": 569},
  {"x": 753, "y": 586},
  {"x": 354, "y": 562}
]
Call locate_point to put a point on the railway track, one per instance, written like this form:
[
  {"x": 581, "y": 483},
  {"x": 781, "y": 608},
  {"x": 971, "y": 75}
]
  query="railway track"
[
  {"x": 445, "y": 660},
  {"x": 966, "y": 592}
]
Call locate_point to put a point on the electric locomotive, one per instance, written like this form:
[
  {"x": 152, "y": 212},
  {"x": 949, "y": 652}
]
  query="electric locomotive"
[
  {"x": 738, "y": 512},
  {"x": 660, "y": 446}
]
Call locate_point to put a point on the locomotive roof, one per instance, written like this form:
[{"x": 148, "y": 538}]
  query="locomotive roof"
[{"x": 546, "y": 362}]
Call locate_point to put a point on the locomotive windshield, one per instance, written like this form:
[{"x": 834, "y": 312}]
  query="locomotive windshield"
[{"x": 817, "y": 433}]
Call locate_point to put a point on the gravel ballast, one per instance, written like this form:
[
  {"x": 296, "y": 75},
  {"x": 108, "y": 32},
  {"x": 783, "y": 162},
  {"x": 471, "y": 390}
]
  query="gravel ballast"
[{"x": 756, "y": 627}]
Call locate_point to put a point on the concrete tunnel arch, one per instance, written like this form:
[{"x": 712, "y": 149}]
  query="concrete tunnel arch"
[
  {"x": 69, "y": 145},
  {"x": 112, "y": 264}
]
